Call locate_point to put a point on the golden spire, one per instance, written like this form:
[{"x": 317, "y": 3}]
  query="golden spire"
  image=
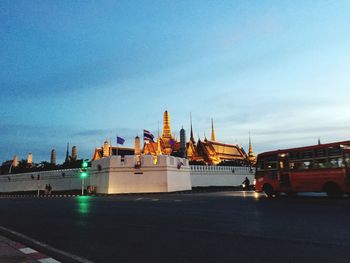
[
  {"x": 159, "y": 148},
  {"x": 251, "y": 155},
  {"x": 212, "y": 131},
  {"x": 166, "y": 126},
  {"x": 250, "y": 151}
]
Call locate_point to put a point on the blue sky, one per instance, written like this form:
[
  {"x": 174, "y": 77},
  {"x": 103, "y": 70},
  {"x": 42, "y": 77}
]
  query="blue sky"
[{"x": 83, "y": 71}]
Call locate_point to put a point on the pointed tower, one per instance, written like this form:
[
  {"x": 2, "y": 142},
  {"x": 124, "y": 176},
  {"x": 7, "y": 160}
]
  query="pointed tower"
[
  {"x": 105, "y": 148},
  {"x": 212, "y": 138},
  {"x": 166, "y": 135},
  {"x": 15, "y": 161},
  {"x": 251, "y": 155},
  {"x": 67, "y": 153},
  {"x": 74, "y": 153},
  {"x": 182, "y": 139},
  {"x": 191, "y": 136},
  {"x": 159, "y": 148},
  {"x": 137, "y": 148},
  {"x": 30, "y": 159},
  {"x": 53, "y": 157}
]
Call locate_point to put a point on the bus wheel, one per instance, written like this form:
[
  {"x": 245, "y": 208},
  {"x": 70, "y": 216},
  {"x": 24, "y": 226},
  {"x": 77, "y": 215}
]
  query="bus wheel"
[
  {"x": 332, "y": 190},
  {"x": 268, "y": 189}
]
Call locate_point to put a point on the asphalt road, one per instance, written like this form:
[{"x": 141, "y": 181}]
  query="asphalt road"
[{"x": 196, "y": 227}]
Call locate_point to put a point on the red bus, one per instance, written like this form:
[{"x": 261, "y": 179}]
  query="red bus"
[{"x": 317, "y": 168}]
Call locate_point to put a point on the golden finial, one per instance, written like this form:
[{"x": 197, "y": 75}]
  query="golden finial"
[{"x": 212, "y": 138}]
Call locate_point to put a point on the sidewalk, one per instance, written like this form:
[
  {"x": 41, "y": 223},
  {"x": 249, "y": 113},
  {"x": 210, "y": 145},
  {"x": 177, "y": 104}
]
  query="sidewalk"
[{"x": 13, "y": 252}]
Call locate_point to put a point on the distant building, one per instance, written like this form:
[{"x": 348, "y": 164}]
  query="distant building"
[
  {"x": 183, "y": 142},
  {"x": 53, "y": 157},
  {"x": 15, "y": 161},
  {"x": 30, "y": 159},
  {"x": 74, "y": 153}
]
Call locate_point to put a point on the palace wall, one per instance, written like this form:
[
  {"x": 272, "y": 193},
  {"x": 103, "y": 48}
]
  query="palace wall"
[
  {"x": 205, "y": 176},
  {"x": 115, "y": 175},
  {"x": 60, "y": 180}
]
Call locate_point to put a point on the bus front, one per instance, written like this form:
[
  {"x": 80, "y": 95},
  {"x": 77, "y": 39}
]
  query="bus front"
[{"x": 266, "y": 179}]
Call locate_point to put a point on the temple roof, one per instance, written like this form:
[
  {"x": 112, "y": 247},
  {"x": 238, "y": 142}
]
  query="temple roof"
[{"x": 98, "y": 153}]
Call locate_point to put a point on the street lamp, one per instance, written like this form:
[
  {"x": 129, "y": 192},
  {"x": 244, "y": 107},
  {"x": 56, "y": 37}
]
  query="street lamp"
[{"x": 83, "y": 174}]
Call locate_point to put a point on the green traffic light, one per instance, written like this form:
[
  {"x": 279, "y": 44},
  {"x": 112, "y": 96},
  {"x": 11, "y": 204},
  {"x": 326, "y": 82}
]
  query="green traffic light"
[
  {"x": 83, "y": 174},
  {"x": 84, "y": 164}
]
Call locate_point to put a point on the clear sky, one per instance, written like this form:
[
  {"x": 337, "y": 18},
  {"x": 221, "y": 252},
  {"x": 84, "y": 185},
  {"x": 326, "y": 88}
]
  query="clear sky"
[{"x": 84, "y": 71}]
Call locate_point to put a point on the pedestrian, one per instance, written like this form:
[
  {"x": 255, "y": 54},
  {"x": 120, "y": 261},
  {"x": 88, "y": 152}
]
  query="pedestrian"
[
  {"x": 49, "y": 188},
  {"x": 46, "y": 189}
]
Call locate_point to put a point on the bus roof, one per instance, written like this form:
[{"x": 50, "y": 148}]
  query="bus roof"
[{"x": 305, "y": 148}]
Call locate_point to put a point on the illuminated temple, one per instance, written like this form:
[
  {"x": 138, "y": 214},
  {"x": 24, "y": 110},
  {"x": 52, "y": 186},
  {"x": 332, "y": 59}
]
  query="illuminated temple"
[
  {"x": 204, "y": 151},
  {"x": 165, "y": 144}
]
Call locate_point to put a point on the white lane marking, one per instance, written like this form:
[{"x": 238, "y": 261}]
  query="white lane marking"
[
  {"x": 48, "y": 260},
  {"x": 139, "y": 198},
  {"x": 28, "y": 250},
  {"x": 155, "y": 199},
  {"x": 177, "y": 200}
]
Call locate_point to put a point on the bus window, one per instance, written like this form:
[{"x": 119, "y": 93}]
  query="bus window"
[
  {"x": 334, "y": 151},
  {"x": 293, "y": 155},
  {"x": 292, "y": 165},
  {"x": 306, "y": 155},
  {"x": 320, "y": 163},
  {"x": 306, "y": 165},
  {"x": 347, "y": 160},
  {"x": 336, "y": 163},
  {"x": 271, "y": 165},
  {"x": 320, "y": 153},
  {"x": 271, "y": 158},
  {"x": 296, "y": 165},
  {"x": 260, "y": 165}
]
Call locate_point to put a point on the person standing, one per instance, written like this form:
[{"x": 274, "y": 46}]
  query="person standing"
[{"x": 49, "y": 188}]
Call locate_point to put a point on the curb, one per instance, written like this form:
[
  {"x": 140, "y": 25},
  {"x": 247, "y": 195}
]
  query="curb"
[{"x": 42, "y": 247}]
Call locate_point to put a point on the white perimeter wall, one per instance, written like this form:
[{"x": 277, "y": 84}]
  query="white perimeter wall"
[
  {"x": 204, "y": 176},
  {"x": 121, "y": 177},
  {"x": 60, "y": 180},
  {"x": 112, "y": 175}
]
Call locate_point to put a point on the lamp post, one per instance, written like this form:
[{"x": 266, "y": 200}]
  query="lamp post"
[{"x": 83, "y": 174}]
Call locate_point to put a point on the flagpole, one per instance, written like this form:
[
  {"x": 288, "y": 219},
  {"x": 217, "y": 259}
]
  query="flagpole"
[{"x": 117, "y": 144}]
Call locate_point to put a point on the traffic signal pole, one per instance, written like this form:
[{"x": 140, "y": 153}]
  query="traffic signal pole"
[
  {"x": 82, "y": 186},
  {"x": 83, "y": 174}
]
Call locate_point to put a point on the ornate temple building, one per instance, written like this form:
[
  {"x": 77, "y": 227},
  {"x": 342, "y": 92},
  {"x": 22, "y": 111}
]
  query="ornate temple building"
[
  {"x": 165, "y": 144},
  {"x": 213, "y": 152},
  {"x": 107, "y": 150},
  {"x": 206, "y": 151}
]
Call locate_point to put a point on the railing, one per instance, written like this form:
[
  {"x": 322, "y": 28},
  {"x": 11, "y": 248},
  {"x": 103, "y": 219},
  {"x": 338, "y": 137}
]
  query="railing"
[{"x": 203, "y": 169}]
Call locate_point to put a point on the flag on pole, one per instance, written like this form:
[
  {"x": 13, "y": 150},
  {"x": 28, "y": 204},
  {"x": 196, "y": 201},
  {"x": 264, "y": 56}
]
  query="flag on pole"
[
  {"x": 172, "y": 142},
  {"x": 120, "y": 140},
  {"x": 147, "y": 136}
]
